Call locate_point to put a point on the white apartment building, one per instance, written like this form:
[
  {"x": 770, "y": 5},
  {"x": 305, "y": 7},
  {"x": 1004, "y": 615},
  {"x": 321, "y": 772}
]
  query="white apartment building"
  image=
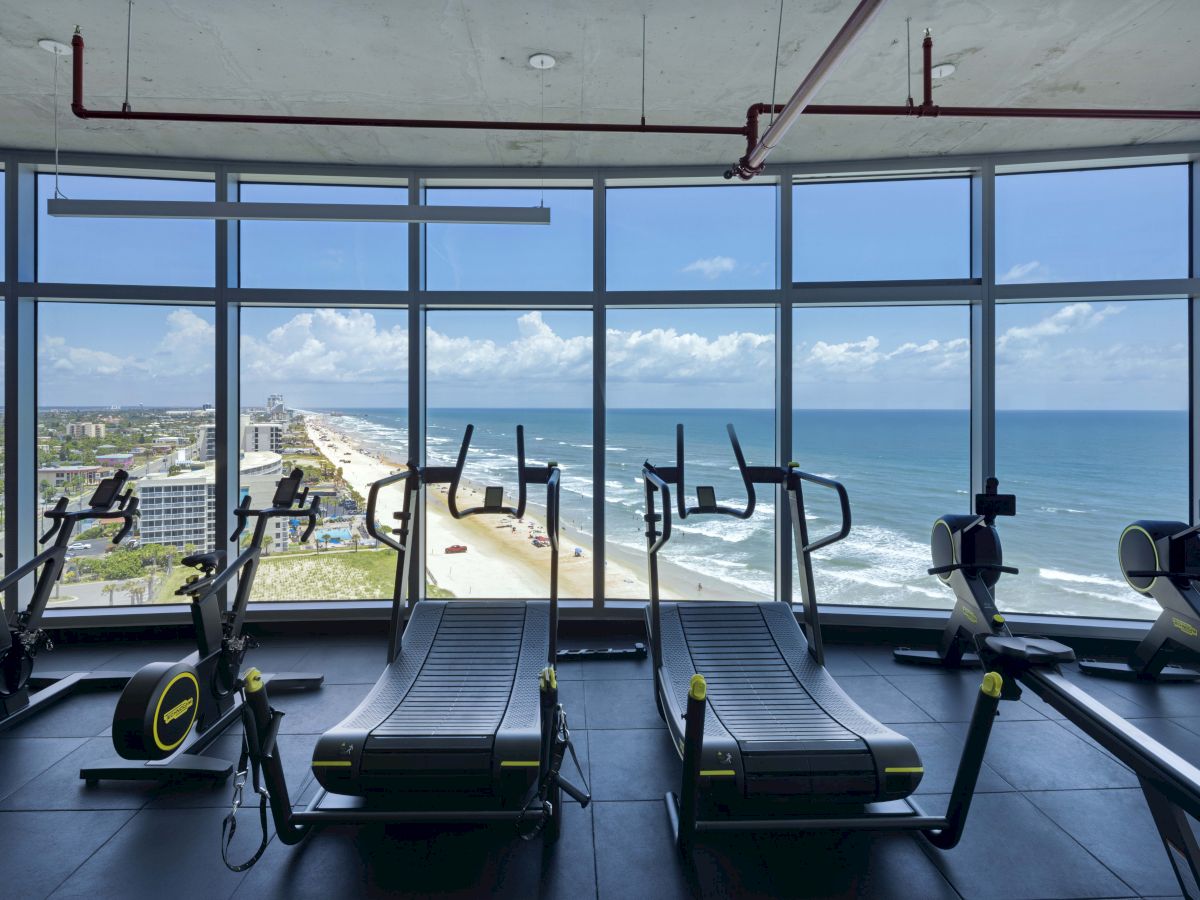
[
  {"x": 85, "y": 430},
  {"x": 180, "y": 510},
  {"x": 263, "y": 436}
]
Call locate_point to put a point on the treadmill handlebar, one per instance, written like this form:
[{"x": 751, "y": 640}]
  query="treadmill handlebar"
[
  {"x": 794, "y": 476},
  {"x": 373, "y": 496},
  {"x": 654, "y": 483},
  {"x": 453, "y": 475},
  {"x": 748, "y": 479}
]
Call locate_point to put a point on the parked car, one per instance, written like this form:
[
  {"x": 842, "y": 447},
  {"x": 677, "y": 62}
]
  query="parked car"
[
  {"x": 80, "y": 545},
  {"x": 457, "y": 548}
]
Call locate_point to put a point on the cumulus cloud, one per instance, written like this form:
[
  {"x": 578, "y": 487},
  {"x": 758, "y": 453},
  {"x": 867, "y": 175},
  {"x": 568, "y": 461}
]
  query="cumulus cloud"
[
  {"x": 867, "y": 360},
  {"x": 1072, "y": 317},
  {"x": 711, "y": 267},
  {"x": 537, "y": 352},
  {"x": 1025, "y": 272},
  {"x": 184, "y": 352},
  {"x": 1051, "y": 351},
  {"x": 348, "y": 346},
  {"x": 661, "y": 355}
]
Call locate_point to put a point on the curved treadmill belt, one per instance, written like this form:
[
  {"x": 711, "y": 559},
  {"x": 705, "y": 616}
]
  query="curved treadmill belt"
[
  {"x": 777, "y": 722},
  {"x": 457, "y": 708}
]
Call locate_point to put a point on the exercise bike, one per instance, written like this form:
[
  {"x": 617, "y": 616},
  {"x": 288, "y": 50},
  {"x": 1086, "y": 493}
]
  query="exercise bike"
[
  {"x": 169, "y": 712},
  {"x": 22, "y": 639},
  {"x": 1160, "y": 560}
]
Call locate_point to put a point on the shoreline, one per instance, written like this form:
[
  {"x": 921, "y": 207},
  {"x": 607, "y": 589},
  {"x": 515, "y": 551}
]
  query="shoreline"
[{"x": 506, "y": 564}]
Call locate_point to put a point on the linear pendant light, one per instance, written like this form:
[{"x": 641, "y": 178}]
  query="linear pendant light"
[{"x": 298, "y": 212}]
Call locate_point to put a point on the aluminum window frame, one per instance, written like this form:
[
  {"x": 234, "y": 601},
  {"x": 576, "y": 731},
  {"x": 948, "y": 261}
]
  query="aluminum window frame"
[{"x": 226, "y": 297}]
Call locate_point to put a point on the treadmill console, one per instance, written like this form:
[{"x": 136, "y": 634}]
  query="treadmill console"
[
  {"x": 706, "y": 497},
  {"x": 493, "y": 497}
]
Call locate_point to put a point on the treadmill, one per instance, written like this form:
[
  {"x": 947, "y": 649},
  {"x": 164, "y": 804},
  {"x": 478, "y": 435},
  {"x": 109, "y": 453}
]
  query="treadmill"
[
  {"x": 768, "y": 739},
  {"x": 464, "y": 723}
]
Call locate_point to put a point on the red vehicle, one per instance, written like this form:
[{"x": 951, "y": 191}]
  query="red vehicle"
[{"x": 457, "y": 548}]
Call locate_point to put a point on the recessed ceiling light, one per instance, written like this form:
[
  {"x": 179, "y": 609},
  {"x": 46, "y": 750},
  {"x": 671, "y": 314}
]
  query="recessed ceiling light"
[
  {"x": 942, "y": 70},
  {"x": 56, "y": 47},
  {"x": 542, "y": 61}
]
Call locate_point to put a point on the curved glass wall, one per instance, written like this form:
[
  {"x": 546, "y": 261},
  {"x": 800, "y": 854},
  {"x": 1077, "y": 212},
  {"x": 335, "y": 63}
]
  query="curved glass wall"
[{"x": 847, "y": 319}]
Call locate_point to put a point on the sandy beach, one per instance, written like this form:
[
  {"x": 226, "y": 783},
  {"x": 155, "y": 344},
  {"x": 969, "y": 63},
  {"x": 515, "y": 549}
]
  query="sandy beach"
[{"x": 501, "y": 560}]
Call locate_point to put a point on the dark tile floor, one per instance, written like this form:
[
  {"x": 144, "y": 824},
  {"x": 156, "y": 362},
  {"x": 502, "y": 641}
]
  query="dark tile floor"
[{"x": 1055, "y": 816}]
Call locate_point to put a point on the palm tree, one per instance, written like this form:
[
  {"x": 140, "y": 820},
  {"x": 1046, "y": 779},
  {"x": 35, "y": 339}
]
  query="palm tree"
[
  {"x": 324, "y": 538},
  {"x": 266, "y": 545},
  {"x": 109, "y": 589}
]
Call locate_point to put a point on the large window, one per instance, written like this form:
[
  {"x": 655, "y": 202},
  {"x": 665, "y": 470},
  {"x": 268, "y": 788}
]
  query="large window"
[
  {"x": 497, "y": 370},
  {"x": 324, "y": 255},
  {"x": 1091, "y": 434},
  {"x": 877, "y": 230},
  {"x": 127, "y": 387},
  {"x": 691, "y": 238},
  {"x": 1092, "y": 225},
  {"x": 1091, "y": 428},
  {"x": 881, "y": 398},
  {"x": 702, "y": 368},
  {"x": 554, "y": 257},
  {"x": 324, "y": 390},
  {"x": 124, "y": 251}
]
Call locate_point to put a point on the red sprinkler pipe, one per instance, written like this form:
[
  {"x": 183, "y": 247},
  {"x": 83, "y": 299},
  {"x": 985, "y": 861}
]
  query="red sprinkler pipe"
[
  {"x": 755, "y": 148},
  {"x": 83, "y": 112}
]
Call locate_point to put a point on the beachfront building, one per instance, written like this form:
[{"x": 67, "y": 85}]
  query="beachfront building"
[
  {"x": 179, "y": 510},
  {"x": 264, "y": 436}
]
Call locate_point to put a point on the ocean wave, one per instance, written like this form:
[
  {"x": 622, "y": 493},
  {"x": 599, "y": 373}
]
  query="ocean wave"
[
  {"x": 859, "y": 577},
  {"x": 731, "y": 531},
  {"x": 1076, "y": 578},
  {"x": 1063, "y": 509}
]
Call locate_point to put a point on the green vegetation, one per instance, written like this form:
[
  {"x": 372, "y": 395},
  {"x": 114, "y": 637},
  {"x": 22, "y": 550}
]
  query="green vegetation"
[
  {"x": 122, "y": 564},
  {"x": 333, "y": 575}
]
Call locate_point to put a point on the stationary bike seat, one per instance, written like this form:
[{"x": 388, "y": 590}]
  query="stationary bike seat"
[{"x": 205, "y": 562}]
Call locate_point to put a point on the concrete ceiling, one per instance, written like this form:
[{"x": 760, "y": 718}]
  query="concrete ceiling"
[{"x": 707, "y": 60}]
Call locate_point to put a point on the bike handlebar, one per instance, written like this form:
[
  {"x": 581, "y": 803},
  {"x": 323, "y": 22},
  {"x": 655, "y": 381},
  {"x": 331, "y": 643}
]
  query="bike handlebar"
[
  {"x": 289, "y": 501},
  {"x": 107, "y": 502}
]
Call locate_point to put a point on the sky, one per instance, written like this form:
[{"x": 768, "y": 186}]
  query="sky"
[{"x": 1050, "y": 226}]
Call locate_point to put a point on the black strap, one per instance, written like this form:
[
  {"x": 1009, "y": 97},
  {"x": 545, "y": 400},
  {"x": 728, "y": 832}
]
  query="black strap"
[
  {"x": 229, "y": 829},
  {"x": 560, "y": 743},
  {"x": 245, "y": 766}
]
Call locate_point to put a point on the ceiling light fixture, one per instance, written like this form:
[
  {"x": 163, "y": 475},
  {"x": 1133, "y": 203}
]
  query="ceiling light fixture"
[
  {"x": 298, "y": 212},
  {"x": 942, "y": 70},
  {"x": 542, "y": 61},
  {"x": 58, "y": 48}
]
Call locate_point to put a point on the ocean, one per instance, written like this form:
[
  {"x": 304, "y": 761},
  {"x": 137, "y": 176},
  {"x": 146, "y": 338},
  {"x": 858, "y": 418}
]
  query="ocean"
[{"x": 1080, "y": 478}]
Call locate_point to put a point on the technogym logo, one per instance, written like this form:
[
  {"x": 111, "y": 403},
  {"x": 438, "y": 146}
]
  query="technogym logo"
[
  {"x": 178, "y": 710},
  {"x": 1186, "y": 627}
]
